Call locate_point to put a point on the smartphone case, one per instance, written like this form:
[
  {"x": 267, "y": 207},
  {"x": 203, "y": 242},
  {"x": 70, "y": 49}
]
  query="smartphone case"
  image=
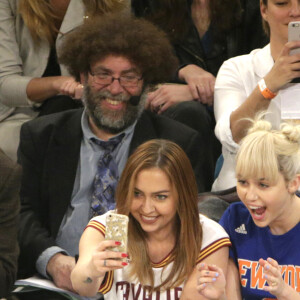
[
  {"x": 117, "y": 230},
  {"x": 294, "y": 34}
]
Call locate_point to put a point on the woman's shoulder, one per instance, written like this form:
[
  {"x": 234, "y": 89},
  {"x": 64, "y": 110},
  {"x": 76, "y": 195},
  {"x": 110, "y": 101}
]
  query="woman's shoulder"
[
  {"x": 236, "y": 209},
  {"x": 212, "y": 231},
  {"x": 101, "y": 218},
  {"x": 246, "y": 60}
]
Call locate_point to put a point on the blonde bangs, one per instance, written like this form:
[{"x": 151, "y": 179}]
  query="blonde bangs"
[
  {"x": 40, "y": 19},
  {"x": 257, "y": 158}
]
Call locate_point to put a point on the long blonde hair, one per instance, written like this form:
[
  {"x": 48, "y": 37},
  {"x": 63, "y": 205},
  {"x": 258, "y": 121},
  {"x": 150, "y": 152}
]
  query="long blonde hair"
[
  {"x": 40, "y": 18},
  {"x": 172, "y": 160},
  {"x": 266, "y": 152}
]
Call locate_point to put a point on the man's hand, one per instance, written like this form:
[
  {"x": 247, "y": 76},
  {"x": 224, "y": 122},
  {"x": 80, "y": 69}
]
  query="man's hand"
[{"x": 59, "y": 268}]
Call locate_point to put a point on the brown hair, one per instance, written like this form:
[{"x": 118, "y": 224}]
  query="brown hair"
[
  {"x": 40, "y": 17},
  {"x": 265, "y": 24},
  {"x": 172, "y": 160},
  {"x": 123, "y": 35}
]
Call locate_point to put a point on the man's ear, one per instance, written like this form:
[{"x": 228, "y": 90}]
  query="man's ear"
[
  {"x": 294, "y": 184},
  {"x": 263, "y": 11}
]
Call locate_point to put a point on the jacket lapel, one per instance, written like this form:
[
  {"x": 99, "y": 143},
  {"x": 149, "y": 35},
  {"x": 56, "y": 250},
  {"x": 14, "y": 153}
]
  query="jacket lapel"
[
  {"x": 63, "y": 156},
  {"x": 144, "y": 131}
]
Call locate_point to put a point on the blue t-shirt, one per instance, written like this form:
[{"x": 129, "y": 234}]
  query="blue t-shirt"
[{"x": 250, "y": 243}]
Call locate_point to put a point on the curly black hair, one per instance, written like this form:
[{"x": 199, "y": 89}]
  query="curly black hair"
[{"x": 141, "y": 42}]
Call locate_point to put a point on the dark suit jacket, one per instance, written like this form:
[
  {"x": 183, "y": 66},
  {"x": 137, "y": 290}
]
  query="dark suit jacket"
[
  {"x": 49, "y": 153},
  {"x": 10, "y": 179}
]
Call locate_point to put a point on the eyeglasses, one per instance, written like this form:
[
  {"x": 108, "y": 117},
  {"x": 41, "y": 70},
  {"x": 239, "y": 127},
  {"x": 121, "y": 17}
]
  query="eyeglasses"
[{"x": 106, "y": 79}]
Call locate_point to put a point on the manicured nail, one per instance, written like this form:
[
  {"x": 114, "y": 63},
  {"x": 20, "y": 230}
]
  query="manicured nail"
[
  {"x": 207, "y": 272},
  {"x": 124, "y": 255},
  {"x": 266, "y": 276},
  {"x": 267, "y": 267},
  {"x": 202, "y": 265},
  {"x": 124, "y": 263},
  {"x": 214, "y": 279},
  {"x": 269, "y": 259},
  {"x": 118, "y": 243},
  {"x": 217, "y": 274}
]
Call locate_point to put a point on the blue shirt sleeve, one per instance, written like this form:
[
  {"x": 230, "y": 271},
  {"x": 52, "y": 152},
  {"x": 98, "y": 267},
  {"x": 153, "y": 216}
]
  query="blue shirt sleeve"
[{"x": 42, "y": 261}]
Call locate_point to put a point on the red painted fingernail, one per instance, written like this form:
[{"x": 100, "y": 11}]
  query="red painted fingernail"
[
  {"x": 118, "y": 243},
  {"x": 124, "y": 255},
  {"x": 124, "y": 263}
]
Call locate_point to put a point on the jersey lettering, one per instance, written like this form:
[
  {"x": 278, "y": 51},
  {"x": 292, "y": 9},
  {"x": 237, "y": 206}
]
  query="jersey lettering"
[
  {"x": 257, "y": 280},
  {"x": 128, "y": 290},
  {"x": 253, "y": 271}
]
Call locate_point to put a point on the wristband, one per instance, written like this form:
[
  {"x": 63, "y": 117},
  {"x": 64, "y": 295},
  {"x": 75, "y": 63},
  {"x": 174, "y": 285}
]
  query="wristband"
[{"x": 267, "y": 94}]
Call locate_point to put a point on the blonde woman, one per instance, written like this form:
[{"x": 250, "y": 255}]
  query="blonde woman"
[
  {"x": 264, "y": 228},
  {"x": 166, "y": 235},
  {"x": 31, "y": 32}
]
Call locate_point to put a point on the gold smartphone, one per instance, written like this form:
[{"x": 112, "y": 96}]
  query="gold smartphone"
[{"x": 117, "y": 230}]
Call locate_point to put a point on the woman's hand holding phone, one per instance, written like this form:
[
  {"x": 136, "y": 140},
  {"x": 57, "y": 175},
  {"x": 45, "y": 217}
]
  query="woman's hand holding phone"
[
  {"x": 105, "y": 260},
  {"x": 285, "y": 69}
]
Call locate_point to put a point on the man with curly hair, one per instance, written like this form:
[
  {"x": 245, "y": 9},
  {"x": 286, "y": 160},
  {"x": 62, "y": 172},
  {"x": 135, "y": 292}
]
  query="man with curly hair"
[{"x": 115, "y": 58}]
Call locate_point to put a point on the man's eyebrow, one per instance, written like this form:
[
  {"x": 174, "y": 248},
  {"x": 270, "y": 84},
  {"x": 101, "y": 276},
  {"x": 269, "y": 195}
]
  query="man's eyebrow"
[
  {"x": 103, "y": 69},
  {"x": 131, "y": 70}
]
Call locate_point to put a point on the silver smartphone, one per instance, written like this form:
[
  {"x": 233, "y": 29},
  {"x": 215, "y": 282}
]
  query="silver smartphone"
[
  {"x": 117, "y": 230},
  {"x": 294, "y": 35}
]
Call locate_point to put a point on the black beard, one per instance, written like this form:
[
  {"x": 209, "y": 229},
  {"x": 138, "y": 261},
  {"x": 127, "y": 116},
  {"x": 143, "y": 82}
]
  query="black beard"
[{"x": 105, "y": 119}]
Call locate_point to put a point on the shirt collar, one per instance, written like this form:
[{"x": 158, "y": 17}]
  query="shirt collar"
[{"x": 263, "y": 61}]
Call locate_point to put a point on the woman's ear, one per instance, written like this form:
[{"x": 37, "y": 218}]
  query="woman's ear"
[
  {"x": 294, "y": 184},
  {"x": 263, "y": 11}
]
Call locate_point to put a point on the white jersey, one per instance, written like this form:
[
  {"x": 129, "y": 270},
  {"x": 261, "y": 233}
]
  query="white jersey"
[{"x": 118, "y": 286}]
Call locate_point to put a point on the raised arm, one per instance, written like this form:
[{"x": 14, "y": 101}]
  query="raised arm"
[
  {"x": 39, "y": 89},
  {"x": 285, "y": 69},
  {"x": 94, "y": 261}
]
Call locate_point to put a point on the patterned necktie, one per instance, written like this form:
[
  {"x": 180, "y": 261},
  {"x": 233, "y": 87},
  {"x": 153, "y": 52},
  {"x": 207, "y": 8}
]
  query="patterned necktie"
[{"x": 106, "y": 178}]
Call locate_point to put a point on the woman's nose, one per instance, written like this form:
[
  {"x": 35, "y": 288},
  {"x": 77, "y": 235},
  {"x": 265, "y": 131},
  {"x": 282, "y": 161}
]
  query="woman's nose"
[
  {"x": 251, "y": 194},
  {"x": 148, "y": 205},
  {"x": 295, "y": 9}
]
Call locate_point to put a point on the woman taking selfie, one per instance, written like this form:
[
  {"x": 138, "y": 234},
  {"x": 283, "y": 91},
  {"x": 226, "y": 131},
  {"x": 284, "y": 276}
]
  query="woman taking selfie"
[
  {"x": 264, "y": 228},
  {"x": 248, "y": 84},
  {"x": 166, "y": 238}
]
